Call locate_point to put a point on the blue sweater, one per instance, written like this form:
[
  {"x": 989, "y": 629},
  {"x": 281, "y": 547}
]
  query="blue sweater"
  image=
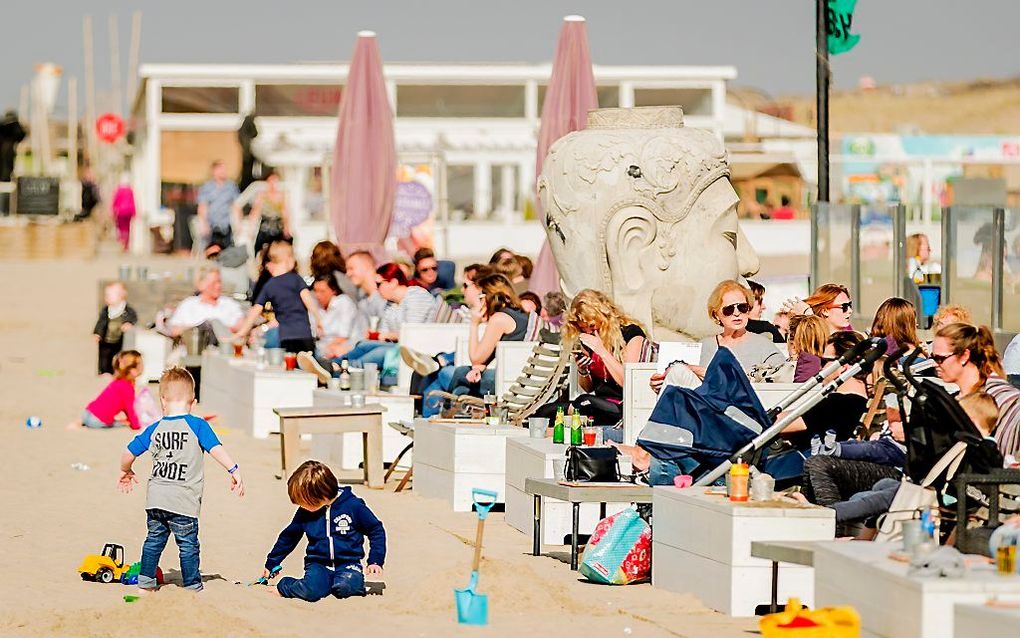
[{"x": 336, "y": 534}]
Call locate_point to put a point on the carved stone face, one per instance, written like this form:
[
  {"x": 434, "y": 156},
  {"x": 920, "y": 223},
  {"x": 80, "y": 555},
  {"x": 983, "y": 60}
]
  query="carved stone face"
[{"x": 642, "y": 209}]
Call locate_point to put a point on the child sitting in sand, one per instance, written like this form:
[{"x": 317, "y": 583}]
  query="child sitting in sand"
[
  {"x": 335, "y": 550},
  {"x": 117, "y": 398},
  {"x": 292, "y": 302},
  {"x": 174, "y": 493},
  {"x": 116, "y": 318}
]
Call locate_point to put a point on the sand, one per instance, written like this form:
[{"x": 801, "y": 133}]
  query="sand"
[{"x": 53, "y": 515}]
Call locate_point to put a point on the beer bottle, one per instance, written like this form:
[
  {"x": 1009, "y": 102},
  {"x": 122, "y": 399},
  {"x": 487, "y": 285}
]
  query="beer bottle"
[
  {"x": 576, "y": 433},
  {"x": 345, "y": 376},
  {"x": 558, "y": 426}
]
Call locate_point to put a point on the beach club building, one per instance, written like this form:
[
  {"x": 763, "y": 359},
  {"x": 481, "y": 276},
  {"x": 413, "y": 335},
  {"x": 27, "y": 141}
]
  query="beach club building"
[{"x": 467, "y": 133}]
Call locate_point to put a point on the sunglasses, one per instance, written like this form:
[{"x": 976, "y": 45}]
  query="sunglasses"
[
  {"x": 940, "y": 358},
  {"x": 742, "y": 308},
  {"x": 845, "y": 307},
  {"x": 429, "y": 269}
]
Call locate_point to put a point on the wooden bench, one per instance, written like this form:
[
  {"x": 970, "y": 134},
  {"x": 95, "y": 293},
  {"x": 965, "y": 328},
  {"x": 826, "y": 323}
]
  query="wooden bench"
[{"x": 334, "y": 420}]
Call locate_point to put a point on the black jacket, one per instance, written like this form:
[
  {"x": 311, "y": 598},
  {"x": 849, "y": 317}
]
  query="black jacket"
[{"x": 130, "y": 316}]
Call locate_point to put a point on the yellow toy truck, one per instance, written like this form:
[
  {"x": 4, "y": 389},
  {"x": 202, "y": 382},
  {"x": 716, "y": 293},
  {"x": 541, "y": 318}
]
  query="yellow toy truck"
[{"x": 106, "y": 567}]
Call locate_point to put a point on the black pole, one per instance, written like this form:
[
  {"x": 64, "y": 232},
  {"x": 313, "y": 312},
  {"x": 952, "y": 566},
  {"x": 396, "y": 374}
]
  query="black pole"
[{"x": 822, "y": 79}]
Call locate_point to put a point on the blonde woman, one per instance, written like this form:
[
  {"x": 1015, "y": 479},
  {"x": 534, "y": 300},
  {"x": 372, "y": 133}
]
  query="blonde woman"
[
  {"x": 604, "y": 338},
  {"x": 808, "y": 335}
]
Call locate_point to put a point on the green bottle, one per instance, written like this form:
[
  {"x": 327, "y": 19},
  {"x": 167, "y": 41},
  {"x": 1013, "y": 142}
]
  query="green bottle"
[
  {"x": 558, "y": 427},
  {"x": 576, "y": 433}
]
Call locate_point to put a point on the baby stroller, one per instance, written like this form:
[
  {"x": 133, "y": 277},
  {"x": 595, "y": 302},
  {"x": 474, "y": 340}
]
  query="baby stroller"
[
  {"x": 936, "y": 423},
  {"x": 707, "y": 429}
]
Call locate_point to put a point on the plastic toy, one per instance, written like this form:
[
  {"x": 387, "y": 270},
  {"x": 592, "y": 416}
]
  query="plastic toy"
[
  {"x": 130, "y": 577},
  {"x": 263, "y": 580},
  {"x": 106, "y": 567},
  {"x": 796, "y": 622},
  {"x": 472, "y": 607},
  {"x": 33, "y": 422}
]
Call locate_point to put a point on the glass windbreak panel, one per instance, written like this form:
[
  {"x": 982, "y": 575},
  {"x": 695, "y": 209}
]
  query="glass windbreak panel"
[
  {"x": 200, "y": 99},
  {"x": 609, "y": 96},
  {"x": 315, "y": 197},
  {"x": 460, "y": 192},
  {"x": 297, "y": 99},
  {"x": 970, "y": 278},
  {"x": 693, "y": 101},
  {"x": 419, "y": 100},
  {"x": 834, "y": 221},
  {"x": 1011, "y": 272},
  {"x": 878, "y": 272}
]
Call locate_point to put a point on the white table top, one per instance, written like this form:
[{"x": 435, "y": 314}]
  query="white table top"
[
  {"x": 696, "y": 496},
  {"x": 473, "y": 429},
  {"x": 979, "y": 578},
  {"x": 594, "y": 493}
]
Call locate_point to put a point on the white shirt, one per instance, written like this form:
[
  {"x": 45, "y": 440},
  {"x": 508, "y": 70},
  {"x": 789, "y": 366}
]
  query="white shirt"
[
  {"x": 341, "y": 319},
  {"x": 193, "y": 312}
]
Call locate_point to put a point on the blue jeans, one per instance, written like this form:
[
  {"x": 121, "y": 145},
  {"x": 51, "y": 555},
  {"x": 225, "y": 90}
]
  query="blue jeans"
[
  {"x": 440, "y": 381},
  {"x": 663, "y": 472},
  {"x": 185, "y": 529},
  {"x": 367, "y": 352},
  {"x": 460, "y": 385},
  {"x": 320, "y": 581},
  {"x": 883, "y": 451}
]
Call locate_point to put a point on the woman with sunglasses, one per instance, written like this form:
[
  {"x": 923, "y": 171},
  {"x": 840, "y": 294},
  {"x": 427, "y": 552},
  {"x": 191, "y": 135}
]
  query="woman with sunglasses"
[
  {"x": 729, "y": 305},
  {"x": 966, "y": 356},
  {"x": 830, "y": 302}
]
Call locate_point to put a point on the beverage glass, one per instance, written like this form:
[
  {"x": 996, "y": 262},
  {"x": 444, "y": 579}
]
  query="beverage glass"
[
  {"x": 373, "y": 335},
  {"x": 537, "y": 427},
  {"x": 238, "y": 350},
  {"x": 589, "y": 436},
  {"x": 559, "y": 467},
  {"x": 290, "y": 361}
]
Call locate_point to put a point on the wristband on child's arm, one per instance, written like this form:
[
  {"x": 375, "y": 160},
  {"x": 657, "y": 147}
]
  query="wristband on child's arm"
[{"x": 233, "y": 469}]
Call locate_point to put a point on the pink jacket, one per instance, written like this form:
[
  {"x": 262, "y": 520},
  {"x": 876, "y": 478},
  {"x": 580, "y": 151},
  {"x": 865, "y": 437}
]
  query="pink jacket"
[{"x": 115, "y": 398}]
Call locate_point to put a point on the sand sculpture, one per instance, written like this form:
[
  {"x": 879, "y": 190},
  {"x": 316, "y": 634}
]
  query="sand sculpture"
[{"x": 640, "y": 207}]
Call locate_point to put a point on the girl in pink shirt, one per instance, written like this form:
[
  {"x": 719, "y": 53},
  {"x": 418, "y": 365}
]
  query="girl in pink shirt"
[{"x": 116, "y": 398}]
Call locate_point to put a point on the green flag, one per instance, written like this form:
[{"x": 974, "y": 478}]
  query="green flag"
[{"x": 838, "y": 19}]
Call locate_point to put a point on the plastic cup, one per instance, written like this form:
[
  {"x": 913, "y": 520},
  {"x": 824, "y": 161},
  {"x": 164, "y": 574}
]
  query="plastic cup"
[
  {"x": 559, "y": 467},
  {"x": 239, "y": 350},
  {"x": 371, "y": 378},
  {"x": 290, "y": 361},
  {"x": 537, "y": 427},
  {"x": 762, "y": 487},
  {"x": 275, "y": 356},
  {"x": 373, "y": 335},
  {"x": 334, "y": 384}
]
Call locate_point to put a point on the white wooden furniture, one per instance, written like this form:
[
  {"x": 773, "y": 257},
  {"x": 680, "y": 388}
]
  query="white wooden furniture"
[
  {"x": 533, "y": 458},
  {"x": 576, "y": 495},
  {"x": 430, "y": 339},
  {"x": 365, "y": 421},
  {"x": 894, "y": 604},
  {"x": 638, "y": 399},
  {"x": 451, "y": 459},
  {"x": 155, "y": 349},
  {"x": 345, "y": 449},
  {"x": 702, "y": 546},
  {"x": 511, "y": 358},
  {"x": 243, "y": 396},
  {"x": 971, "y": 620}
]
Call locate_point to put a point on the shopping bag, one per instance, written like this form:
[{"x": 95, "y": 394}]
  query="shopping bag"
[{"x": 619, "y": 551}]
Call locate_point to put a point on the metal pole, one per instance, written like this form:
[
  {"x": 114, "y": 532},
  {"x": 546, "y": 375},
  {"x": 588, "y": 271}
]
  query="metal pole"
[
  {"x": 855, "y": 257},
  {"x": 118, "y": 102},
  {"x": 90, "y": 89},
  {"x": 815, "y": 248},
  {"x": 899, "y": 248},
  {"x": 948, "y": 255},
  {"x": 822, "y": 79},
  {"x": 132, "y": 70},
  {"x": 997, "y": 248},
  {"x": 72, "y": 139}
]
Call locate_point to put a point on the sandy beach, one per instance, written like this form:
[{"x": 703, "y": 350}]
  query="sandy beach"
[{"x": 53, "y": 515}]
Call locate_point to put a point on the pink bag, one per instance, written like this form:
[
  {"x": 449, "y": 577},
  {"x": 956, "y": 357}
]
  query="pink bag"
[{"x": 620, "y": 550}]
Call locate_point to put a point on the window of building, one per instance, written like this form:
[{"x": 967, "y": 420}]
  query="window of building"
[
  {"x": 200, "y": 99},
  {"x": 418, "y": 100},
  {"x": 503, "y": 186},
  {"x": 609, "y": 96},
  {"x": 460, "y": 191},
  {"x": 693, "y": 101},
  {"x": 297, "y": 99}
]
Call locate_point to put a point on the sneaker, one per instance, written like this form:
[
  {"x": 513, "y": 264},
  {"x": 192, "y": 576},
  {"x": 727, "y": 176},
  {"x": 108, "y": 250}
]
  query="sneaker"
[
  {"x": 309, "y": 364},
  {"x": 420, "y": 363}
]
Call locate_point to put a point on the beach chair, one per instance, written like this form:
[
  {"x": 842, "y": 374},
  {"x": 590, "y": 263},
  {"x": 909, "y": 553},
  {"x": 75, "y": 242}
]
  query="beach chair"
[{"x": 540, "y": 381}]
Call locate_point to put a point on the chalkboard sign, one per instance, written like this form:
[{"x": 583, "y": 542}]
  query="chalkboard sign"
[{"x": 38, "y": 196}]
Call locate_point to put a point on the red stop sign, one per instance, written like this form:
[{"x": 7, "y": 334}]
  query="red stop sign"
[{"x": 109, "y": 127}]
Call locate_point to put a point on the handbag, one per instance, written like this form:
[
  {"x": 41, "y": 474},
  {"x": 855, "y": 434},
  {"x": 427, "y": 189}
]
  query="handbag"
[
  {"x": 592, "y": 464},
  {"x": 912, "y": 498}
]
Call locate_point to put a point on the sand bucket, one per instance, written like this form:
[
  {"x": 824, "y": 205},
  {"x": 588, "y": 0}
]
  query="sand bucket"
[{"x": 472, "y": 607}]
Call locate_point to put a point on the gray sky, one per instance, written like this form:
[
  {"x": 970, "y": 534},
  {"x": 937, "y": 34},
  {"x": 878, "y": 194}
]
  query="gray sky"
[{"x": 770, "y": 42}]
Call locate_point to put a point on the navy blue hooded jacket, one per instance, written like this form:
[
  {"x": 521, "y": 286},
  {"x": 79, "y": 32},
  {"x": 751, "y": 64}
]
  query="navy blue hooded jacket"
[{"x": 336, "y": 534}]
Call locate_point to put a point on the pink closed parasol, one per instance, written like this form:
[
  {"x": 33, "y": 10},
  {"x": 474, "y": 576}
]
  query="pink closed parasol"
[
  {"x": 571, "y": 94},
  {"x": 364, "y": 178}
]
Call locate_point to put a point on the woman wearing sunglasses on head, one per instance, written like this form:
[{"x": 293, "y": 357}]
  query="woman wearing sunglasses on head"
[{"x": 830, "y": 302}]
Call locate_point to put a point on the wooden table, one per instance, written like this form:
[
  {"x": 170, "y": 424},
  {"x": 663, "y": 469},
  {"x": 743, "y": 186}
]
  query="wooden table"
[
  {"x": 338, "y": 420},
  {"x": 575, "y": 494},
  {"x": 794, "y": 552},
  {"x": 345, "y": 450}
]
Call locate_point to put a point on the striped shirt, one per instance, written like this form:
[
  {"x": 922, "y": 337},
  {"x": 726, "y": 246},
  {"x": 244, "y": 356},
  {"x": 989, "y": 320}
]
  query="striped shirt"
[
  {"x": 1007, "y": 429},
  {"x": 415, "y": 307}
]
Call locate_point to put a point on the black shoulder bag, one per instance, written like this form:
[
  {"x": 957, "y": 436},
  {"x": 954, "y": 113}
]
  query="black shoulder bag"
[{"x": 592, "y": 465}]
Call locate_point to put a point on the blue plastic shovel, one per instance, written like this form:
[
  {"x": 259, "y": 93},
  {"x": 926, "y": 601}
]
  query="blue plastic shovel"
[{"x": 472, "y": 607}]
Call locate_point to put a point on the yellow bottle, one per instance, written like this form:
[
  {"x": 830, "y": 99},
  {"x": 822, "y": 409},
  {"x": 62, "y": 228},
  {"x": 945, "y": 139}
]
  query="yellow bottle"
[{"x": 739, "y": 477}]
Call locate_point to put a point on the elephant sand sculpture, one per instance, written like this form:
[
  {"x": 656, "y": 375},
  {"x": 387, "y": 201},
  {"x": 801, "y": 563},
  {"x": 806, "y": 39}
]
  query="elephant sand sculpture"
[{"x": 641, "y": 208}]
